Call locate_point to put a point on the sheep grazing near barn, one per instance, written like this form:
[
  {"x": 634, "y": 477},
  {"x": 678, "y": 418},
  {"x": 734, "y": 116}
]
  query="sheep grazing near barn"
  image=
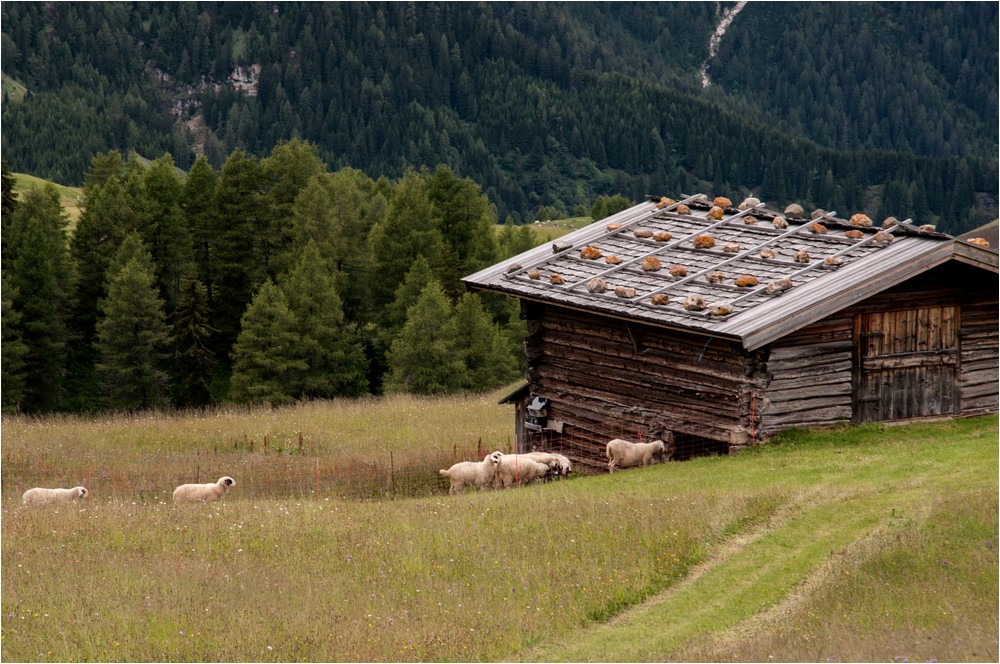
[
  {"x": 203, "y": 493},
  {"x": 626, "y": 454},
  {"x": 479, "y": 474},
  {"x": 518, "y": 470},
  {"x": 564, "y": 466},
  {"x": 39, "y": 496}
]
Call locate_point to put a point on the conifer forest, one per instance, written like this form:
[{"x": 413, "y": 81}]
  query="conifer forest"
[{"x": 279, "y": 200}]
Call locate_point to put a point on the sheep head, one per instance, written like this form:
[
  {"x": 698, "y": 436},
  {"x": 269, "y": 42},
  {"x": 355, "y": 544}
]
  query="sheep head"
[{"x": 226, "y": 481}]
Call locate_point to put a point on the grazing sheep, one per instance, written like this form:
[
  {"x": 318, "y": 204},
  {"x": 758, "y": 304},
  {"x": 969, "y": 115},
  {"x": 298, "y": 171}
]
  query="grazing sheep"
[
  {"x": 518, "y": 470},
  {"x": 472, "y": 473},
  {"x": 40, "y": 496},
  {"x": 203, "y": 493},
  {"x": 624, "y": 454},
  {"x": 562, "y": 462}
]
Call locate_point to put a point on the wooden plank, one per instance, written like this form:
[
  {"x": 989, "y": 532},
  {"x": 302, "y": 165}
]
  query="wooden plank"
[
  {"x": 805, "y": 405},
  {"x": 910, "y": 360},
  {"x": 974, "y": 391},
  {"x": 839, "y": 373},
  {"x": 787, "y": 354},
  {"x": 790, "y": 396},
  {"x": 837, "y": 414}
]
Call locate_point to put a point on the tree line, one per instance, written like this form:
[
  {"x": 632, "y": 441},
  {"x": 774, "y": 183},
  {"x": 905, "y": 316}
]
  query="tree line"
[
  {"x": 875, "y": 107},
  {"x": 268, "y": 280}
]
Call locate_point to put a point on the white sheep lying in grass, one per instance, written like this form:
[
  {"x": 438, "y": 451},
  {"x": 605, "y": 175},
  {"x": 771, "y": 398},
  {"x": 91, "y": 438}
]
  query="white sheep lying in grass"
[
  {"x": 565, "y": 468},
  {"x": 472, "y": 473},
  {"x": 203, "y": 493},
  {"x": 40, "y": 496},
  {"x": 518, "y": 470},
  {"x": 624, "y": 454}
]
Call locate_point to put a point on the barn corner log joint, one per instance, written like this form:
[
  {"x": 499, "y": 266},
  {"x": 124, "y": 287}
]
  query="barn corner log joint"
[{"x": 774, "y": 324}]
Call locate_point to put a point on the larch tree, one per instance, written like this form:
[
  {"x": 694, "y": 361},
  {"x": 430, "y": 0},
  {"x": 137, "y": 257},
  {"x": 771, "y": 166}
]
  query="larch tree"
[
  {"x": 133, "y": 338},
  {"x": 243, "y": 237},
  {"x": 329, "y": 347},
  {"x": 40, "y": 275},
  {"x": 424, "y": 358},
  {"x": 408, "y": 230},
  {"x": 485, "y": 351},
  {"x": 108, "y": 216},
  {"x": 266, "y": 350},
  {"x": 198, "y": 205},
  {"x": 194, "y": 361},
  {"x": 12, "y": 352}
]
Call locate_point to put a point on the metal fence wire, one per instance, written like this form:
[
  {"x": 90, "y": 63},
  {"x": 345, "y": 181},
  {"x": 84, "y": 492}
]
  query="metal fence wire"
[{"x": 295, "y": 473}]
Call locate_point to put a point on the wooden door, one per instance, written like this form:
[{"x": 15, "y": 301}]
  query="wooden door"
[{"x": 908, "y": 364}]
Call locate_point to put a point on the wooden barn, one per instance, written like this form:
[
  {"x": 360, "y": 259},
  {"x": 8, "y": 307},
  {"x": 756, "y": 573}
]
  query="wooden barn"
[{"x": 715, "y": 326}]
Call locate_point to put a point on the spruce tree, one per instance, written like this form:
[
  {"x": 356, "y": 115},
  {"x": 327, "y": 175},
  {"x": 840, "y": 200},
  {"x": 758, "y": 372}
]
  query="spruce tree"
[
  {"x": 335, "y": 362},
  {"x": 9, "y": 194},
  {"x": 408, "y": 230},
  {"x": 133, "y": 338},
  {"x": 195, "y": 362},
  {"x": 198, "y": 204},
  {"x": 243, "y": 238},
  {"x": 40, "y": 276},
  {"x": 109, "y": 215},
  {"x": 424, "y": 358},
  {"x": 265, "y": 353},
  {"x": 167, "y": 234},
  {"x": 338, "y": 211},
  {"x": 13, "y": 351},
  {"x": 486, "y": 353}
]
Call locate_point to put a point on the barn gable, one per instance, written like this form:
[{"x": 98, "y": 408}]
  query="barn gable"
[{"x": 640, "y": 325}]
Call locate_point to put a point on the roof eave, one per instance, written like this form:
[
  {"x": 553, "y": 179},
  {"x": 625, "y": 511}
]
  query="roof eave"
[{"x": 870, "y": 280}]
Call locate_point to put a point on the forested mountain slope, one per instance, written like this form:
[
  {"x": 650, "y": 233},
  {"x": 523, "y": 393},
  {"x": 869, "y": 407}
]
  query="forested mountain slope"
[{"x": 888, "y": 108}]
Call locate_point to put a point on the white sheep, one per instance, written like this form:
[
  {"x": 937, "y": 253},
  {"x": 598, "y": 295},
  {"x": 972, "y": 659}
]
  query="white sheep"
[
  {"x": 565, "y": 468},
  {"x": 473, "y": 473},
  {"x": 203, "y": 493},
  {"x": 518, "y": 470},
  {"x": 40, "y": 496},
  {"x": 624, "y": 454}
]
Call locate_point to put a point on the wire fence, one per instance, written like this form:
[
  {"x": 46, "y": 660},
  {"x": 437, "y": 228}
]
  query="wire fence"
[{"x": 294, "y": 471}]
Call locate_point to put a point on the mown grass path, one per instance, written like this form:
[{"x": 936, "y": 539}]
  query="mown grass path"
[
  {"x": 746, "y": 577},
  {"x": 753, "y": 573}
]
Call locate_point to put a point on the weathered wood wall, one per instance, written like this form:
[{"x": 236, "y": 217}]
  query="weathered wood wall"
[
  {"x": 912, "y": 365},
  {"x": 608, "y": 378},
  {"x": 978, "y": 336},
  {"x": 811, "y": 377}
]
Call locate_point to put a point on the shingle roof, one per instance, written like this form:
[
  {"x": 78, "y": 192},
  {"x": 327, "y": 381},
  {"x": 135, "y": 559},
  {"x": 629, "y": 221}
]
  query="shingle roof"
[{"x": 838, "y": 271}]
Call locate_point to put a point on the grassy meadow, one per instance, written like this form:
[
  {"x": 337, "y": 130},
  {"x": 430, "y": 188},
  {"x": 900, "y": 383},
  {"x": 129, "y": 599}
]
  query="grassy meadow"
[{"x": 868, "y": 543}]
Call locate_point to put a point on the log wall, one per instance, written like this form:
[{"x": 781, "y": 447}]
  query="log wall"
[
  {"x": 607, "y": 377},
  {"x": 978, "y": 336},
  {"x": 817, "y": 374},
  {"x": 610, "y": 378}
]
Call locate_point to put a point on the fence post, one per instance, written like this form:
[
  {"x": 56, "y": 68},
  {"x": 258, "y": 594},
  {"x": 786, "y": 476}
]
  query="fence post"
[
  {"x": 317, "y": 477},
  {"x": 90, "y": 496},
  {"x": 392, "y": 475}
]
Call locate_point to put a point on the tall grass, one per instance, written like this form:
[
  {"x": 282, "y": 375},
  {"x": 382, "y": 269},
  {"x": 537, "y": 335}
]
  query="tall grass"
[
  {"x": 391, "y": 445},
  {"x": 742, "y": 552}
]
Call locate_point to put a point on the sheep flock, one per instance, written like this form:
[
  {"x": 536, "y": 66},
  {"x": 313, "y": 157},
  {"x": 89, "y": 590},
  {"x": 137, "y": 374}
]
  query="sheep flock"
[{"x": 496, "y": 471}]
